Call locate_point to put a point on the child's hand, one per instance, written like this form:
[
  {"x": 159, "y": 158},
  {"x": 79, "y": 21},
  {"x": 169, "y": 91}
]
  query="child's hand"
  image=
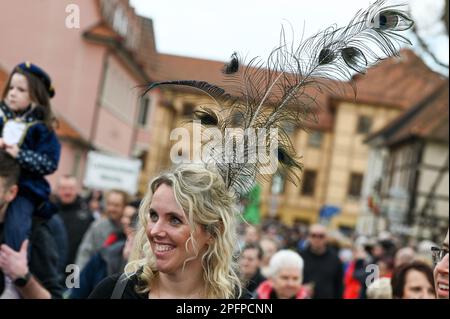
[
  {"x": 2, "y": 144},
  {"x": 13, "y": 150}
]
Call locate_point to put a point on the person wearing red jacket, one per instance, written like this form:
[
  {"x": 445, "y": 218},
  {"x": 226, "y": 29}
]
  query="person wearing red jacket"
[{"x": 286, "y": 277}]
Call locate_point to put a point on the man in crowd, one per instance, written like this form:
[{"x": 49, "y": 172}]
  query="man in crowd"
[
  {"x": 323, "y": 269},
  {"x": 109, "y": 260},
  {"x": 21, "y": 277},
  {"x": 102, "y": 229},
  {"x": 249, "y": 265},
  {"x": 269, "y": 247},
  {"x": 74, "y": 212}
]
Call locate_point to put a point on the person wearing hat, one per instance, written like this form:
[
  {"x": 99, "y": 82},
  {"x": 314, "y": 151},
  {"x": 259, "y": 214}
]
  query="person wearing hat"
[{"x": 26, "y": 133}]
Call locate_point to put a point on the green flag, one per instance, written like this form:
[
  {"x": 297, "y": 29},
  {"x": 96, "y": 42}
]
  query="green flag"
[{"x": 251, "y": 211}]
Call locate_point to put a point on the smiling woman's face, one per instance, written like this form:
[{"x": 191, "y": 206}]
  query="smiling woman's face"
[
  {"x": 441, "y": 273},
  {"x": 168, "y": 231}
]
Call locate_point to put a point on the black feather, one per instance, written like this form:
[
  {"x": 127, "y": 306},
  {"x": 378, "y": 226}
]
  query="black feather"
[
  {"x": 232, "y": 66},
  {"x": 355, "y": 59},
  {"x": 326, "y": 56},
  {"x": 286, "y": 159},
  {"x": 282, "y": 156},
  {"x": 213, "y": 91},
  {"x": 207, "y": 117}
]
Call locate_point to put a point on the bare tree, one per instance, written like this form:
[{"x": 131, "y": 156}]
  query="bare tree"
[{"x": 444, "y": 19}]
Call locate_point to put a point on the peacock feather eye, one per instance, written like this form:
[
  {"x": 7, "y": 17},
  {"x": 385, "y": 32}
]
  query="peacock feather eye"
[
  {"x": 281, "y": 155},
  {"x": 206, "y": 118},
  {"x": 326, "y": 56},
  {"x": 354, "y": 58},
  {"x": 285, "y": 158},
  {"x": 232, "y": 66},
  {"x": 392, "y": 20}
]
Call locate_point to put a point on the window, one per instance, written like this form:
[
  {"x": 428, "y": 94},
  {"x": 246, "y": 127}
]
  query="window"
[
  {"x": 364, "y": 124},
  {"x": 120, "y": 22},
  {"x": 143, "y": 111},
  {"x": 315, "y": 139},
  {"x": 309, "y": 183},
  {"x": 355, "y": 185},
  {"x": 116, "y": 93}
]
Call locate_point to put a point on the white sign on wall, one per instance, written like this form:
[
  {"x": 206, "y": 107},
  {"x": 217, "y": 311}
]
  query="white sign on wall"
[{"x": 107, "y": 172}]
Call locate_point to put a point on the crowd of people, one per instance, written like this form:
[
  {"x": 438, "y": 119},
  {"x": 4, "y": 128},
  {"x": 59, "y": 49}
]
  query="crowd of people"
[
  {"x": 96, "y": 234},
  {"x": 184, "y": 239},
  {"x": 97, "y": 245},
  {"x": 328, "y": 265}
]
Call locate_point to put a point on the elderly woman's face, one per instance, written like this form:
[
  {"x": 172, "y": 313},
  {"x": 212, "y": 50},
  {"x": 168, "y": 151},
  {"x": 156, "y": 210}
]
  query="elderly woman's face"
[
  {"x": 168, "y": 231},
  {"x": 287, "y": 282}
]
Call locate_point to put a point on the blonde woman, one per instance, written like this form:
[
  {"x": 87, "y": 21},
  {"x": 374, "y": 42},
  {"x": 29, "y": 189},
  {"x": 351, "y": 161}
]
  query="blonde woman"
[{"x": 184, "y": 246}]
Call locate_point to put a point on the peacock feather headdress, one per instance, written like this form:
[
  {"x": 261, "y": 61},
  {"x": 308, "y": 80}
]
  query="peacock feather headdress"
[{"x": 272, "y": 95}]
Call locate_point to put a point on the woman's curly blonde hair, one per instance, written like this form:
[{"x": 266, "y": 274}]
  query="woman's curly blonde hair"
[{"x": 206, "y": 201}]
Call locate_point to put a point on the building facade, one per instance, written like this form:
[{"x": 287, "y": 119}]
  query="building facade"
[
  {"x": 335, "y": 157},
  {"x": 98, "y": 54},
  {"x": 412, "y": 154},
  {"x": 98, "y": 69}
]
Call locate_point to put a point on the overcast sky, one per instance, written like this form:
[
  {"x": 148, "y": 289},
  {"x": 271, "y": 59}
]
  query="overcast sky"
[{"x": 215, "y": 29}]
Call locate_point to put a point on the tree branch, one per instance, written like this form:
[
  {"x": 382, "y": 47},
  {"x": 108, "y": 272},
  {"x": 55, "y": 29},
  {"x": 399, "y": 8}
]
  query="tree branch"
[
  {"x": 445, "y": 16},
  {"x": 424, "y": 46}
]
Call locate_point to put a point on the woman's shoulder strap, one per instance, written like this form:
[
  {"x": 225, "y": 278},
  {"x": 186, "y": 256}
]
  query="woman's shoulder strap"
[{"x": 120, "y": 286}]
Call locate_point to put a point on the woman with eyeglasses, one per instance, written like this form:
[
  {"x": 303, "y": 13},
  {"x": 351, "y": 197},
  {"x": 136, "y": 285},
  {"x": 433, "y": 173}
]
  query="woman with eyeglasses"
[{"x": 440, "y": 258}]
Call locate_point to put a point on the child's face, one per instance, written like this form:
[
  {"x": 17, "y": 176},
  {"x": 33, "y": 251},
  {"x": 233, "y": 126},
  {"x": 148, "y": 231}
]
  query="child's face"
[
  {"x": 7, "y": 195},
  {"x": 18, "y": 97}
]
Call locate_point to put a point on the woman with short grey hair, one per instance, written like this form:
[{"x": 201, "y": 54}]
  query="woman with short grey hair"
[{"x": 285, "y": 277}]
